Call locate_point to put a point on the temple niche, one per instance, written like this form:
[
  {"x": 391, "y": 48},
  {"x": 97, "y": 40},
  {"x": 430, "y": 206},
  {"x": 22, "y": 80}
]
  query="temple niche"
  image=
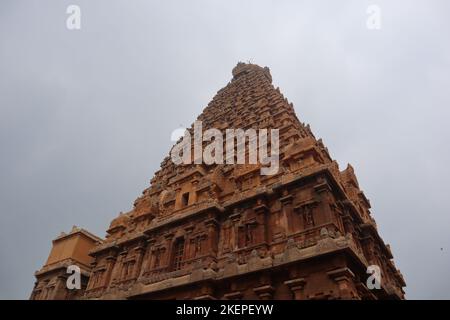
[{"x": 305, "y": 232}]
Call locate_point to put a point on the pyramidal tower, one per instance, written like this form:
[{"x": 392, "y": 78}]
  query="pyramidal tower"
[{"x": 207, "y": 230}]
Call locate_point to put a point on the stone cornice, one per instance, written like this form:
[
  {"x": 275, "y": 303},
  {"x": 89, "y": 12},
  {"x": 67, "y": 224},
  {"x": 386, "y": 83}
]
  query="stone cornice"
[
  {"x": 76, "y": 231},
  {"x": 181, "y": 216},
  {"x": 62, "y": 266}
]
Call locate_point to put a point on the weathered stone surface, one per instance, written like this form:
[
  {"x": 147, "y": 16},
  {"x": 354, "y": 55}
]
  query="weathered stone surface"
[{"x": 227, "y": 232}]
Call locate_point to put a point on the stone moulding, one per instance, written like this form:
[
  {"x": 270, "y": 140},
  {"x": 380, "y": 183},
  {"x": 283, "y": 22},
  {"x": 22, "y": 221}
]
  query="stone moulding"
[
  {"x": 292, "y": 254},
  {"x": 206, "y": 231}
]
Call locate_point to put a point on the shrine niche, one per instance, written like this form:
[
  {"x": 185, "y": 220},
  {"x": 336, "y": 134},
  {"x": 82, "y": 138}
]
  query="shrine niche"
[{"x": 224, "y": 231}]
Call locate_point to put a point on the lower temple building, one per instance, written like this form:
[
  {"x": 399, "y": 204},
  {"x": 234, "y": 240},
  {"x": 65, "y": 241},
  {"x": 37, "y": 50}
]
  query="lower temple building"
[{"x": 225, "y": 231}]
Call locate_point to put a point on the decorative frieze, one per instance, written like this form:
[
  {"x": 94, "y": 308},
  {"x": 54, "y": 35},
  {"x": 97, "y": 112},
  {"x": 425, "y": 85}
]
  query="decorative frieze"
[{"x": 213, "y": 225}]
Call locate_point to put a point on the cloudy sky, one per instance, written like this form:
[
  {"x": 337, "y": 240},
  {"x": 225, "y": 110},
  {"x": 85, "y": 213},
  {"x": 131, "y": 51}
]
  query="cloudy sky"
[{"x": 86, "y": 115}]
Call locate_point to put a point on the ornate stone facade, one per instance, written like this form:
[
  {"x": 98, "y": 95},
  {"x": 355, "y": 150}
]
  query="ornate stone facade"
[
  {"x": 68, "y": 249},
  {"x": 227, "y": 232}
]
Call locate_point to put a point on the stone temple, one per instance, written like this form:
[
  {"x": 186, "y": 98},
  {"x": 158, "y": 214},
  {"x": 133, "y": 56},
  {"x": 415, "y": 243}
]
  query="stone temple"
[{"x": 225, "y": 231}]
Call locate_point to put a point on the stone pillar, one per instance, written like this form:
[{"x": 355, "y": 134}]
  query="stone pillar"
[
  {"x": 347, "y": 220},
  {"x": 206, "y": 293},
  {"x": 261, "y": 211},
  {"x": 194, "y": 194},
  {"x": 286, "y": 220},
  {"x": 297, "y": 287},
  {"x": 148, "y": 257},
  {"x": 178, "y": 198},
  {"x": 265, "y": 292},
  {"x": 236, "y": 295},
  {"x": 60, "y": 289},
  {"x": 226, "y": 237},
  {"x": 234, "y": 238},
  {"x": 117, "y": 270},
  {"x": 110, "y": 263},
  {"x": 140, "y": 250},
  {"x": 212, "y": 242},
  {"x": 189, "y": 240},
  {"x": 169, "y": 245},
  {"x": 323, "y": 191},
  {"x": 343, "y": 278}
]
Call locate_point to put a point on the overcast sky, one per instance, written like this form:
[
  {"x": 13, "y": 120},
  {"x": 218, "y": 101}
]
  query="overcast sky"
[{"x": 86, "y": 115}]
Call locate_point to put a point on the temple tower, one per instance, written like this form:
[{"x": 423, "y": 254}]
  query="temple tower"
[{"x": 226, "y": 231}]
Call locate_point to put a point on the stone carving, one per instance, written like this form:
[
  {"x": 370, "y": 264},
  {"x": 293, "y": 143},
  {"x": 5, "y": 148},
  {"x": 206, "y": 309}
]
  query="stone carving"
[{"x": 225, "y": 231}]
